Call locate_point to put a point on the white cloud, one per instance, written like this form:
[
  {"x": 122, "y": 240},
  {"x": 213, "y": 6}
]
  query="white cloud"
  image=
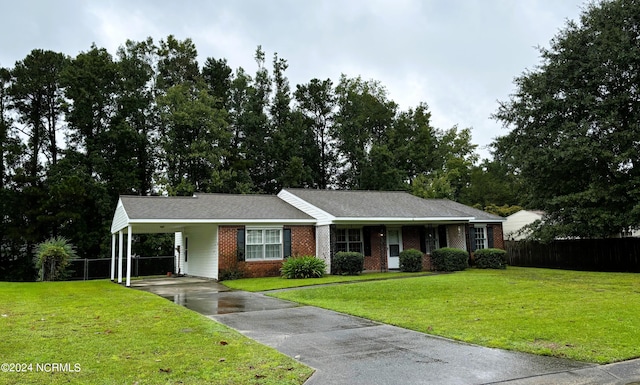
[{"x": 115, "y": 25}]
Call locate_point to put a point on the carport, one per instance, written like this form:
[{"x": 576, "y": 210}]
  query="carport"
[
  {"x": 197, "y": 222},
  {"x": 151, "y": 215}
]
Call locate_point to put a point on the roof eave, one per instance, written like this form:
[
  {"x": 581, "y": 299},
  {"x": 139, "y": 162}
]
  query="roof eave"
[
  {"x": 399, "y": 220},
  {"x": 495, "y": 220},
  {"x": 310, "y": 221}
]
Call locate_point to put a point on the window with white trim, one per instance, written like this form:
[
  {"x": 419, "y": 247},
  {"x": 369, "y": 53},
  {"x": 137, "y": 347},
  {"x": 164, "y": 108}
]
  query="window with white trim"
[
  {"x": 263, "y": 244},
  {"x": 480, "y": 236},
  {"x": 349, "y": 240}
]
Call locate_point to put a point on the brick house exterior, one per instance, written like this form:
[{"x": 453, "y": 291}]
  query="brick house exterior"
[
  {"x": 218, "y": 233},
  {"x": 302, "y": 243}
]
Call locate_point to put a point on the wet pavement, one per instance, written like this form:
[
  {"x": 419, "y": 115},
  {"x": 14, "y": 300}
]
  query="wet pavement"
[
  {"x": 350, "y": 350},
  {"x": 209, "y": 297}
]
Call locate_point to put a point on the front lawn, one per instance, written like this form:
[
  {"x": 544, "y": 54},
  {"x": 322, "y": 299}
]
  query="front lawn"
[
  {"x": 98, "y": 332},
  {"x": 274, "y": 283},
  {"x": 584, "y": 316}
]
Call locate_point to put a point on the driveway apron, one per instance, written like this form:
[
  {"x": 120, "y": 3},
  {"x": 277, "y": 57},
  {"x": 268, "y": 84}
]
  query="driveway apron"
[{"x": 350, "y": 350}]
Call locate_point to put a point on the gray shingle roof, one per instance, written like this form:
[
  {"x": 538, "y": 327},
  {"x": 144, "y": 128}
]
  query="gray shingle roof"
[
  {"x": 386, "y": 204},
  {"x": 211, "y": 206}
]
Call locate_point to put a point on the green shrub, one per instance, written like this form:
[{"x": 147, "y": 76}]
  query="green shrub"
[
  {"x": 449, "y": 259},
  {"x": 490, "y": 259},
  {"x": 411, "y": 260},
  {"x": 347, "y": 263},
  {"x": 52, "y": 257},
  {"x": 303, "y": 267}
]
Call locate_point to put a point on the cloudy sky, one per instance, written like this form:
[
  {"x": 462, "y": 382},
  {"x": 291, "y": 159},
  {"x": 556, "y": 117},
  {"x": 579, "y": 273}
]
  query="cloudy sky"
[{"x": 458, "y": 56}]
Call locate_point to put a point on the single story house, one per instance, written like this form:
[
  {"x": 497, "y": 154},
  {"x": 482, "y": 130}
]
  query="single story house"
[{"x": 217, "y": 232}]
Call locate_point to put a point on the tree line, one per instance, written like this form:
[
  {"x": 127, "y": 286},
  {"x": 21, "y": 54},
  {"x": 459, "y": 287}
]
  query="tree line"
[{"x": 77, "y": 132}]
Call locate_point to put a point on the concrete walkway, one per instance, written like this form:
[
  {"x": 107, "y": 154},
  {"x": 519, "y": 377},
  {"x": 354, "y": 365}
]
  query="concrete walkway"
[{"x": 350, "y": 350}]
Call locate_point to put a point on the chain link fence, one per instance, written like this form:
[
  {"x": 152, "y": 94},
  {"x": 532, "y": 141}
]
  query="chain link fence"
[{"x": 87, "y": 268}]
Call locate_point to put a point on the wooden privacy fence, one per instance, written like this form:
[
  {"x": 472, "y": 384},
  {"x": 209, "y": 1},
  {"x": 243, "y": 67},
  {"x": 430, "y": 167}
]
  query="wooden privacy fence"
[
  {"x": 88, "y": 268},
  {"x": 615, "y": 254}
]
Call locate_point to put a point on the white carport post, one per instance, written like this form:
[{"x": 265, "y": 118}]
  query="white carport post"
[
  {"x": 120, "y": 244},
  {"x": 129, "y": 240},
  {"x": 113, "y": 256}
]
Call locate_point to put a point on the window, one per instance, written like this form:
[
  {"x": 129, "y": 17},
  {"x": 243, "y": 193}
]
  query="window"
[
  {"x": 264, "y": 244},
  {"x": 480, "y": 237},
  {"x": 349, "y": 240},
  {"x": 186, "y": 249}
]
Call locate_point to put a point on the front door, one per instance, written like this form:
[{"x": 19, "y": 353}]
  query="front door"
[{"x": 394, "y": 244}]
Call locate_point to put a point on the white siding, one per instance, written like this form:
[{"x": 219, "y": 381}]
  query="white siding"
[
  {"x": 202, "y": 260},
  {"x": 120, "y": 218},
  {"x": 179, "y": 241},
  {"x": 323, "y": 245},
  {"x": 321, "y": 216},
  {"x": 515, "y": 222}
]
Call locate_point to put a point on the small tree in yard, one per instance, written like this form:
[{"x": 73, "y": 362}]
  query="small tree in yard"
[{"x": 52, "y": 258}]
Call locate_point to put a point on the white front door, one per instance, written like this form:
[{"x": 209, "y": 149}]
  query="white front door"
[{"x": 394, "y": 245}]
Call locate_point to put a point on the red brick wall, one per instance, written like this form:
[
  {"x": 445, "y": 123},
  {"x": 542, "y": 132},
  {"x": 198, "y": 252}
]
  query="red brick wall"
[
  {"x": 426, "y": 262},
  {"x": 302, "y": 243},
  {"x": 303, "y": 240},
  {"x": 498, "y": 238},
  {"x": 411, "y": 237},
  {"x": 256, "y": 269},
  {"x": 373, "y": 262},
  {"x": 227, "y": 247}
]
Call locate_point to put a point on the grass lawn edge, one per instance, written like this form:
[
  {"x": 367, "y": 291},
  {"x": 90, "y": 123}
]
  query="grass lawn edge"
[{"x": 268, "y": 284}]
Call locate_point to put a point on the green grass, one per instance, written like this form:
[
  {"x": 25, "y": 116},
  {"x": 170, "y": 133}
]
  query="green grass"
[
  {"x": 124, "y": 336},
  {"x": 274, "y": 283},
  {"x": 585, "y": 316}
]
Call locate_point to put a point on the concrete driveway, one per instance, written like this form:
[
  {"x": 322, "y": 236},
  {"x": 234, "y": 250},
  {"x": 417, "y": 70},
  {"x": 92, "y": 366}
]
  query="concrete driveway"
[{"x": 350, "y": 350}]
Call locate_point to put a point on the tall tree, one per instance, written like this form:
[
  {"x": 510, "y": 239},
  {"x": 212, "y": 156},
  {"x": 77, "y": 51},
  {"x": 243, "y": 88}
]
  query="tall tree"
[
  {"x": 380, "y": 171},
  {"x": 575, "y": 124},
  {"x": 177, "y": 63},
  {"x": 364, "y": 117},
  {"x": 316, "y": 101},
  {"x": 38, "y": 98},
  {"x": 414, "y": 143},
  {"x": 91, "y": 86},
  {"x": 15, "y": 259},
  {"x": 293, "y": 146},
  {"x": 458, "y": 156},
  {"x": 492, "y": 184},
  {"x": 6, "y": 128},
  {"x": 257, "y": 141},
  {"x": 134, "y": 128},
  {"x": 453, "y": 162},
  {"x": 91, "y": 82},
  {"x": 217, "y": 76},
  {"x": 237, "y": 162},
  {"x": 194, "y": 141}
]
